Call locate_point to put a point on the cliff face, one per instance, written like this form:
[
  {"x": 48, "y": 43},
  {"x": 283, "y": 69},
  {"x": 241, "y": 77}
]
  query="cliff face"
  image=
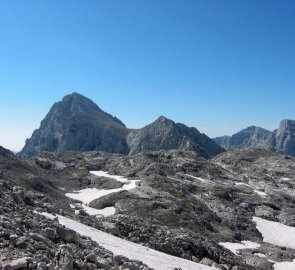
[
  {"x": 76, "y": 123},
  {"x": 283, "y": 139}
]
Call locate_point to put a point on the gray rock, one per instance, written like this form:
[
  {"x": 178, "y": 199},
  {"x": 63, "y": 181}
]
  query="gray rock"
[
  {"x": 76, "y": 123},
  {"x": 166, "y": 134},
  {"x": 283, "y": 139},
  {"x": 258, "y": 262},
  {"x": 20, "y": 263},
  {"x": 251, "y": 137},
  {"x": 67, "y": 235}
]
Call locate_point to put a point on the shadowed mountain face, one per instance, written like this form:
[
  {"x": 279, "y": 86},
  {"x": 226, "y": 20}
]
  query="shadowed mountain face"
[
  {"x": 280, "y": 141},
  {"x": 166, "y": 134},
  {"x": 77, "y": 123}
]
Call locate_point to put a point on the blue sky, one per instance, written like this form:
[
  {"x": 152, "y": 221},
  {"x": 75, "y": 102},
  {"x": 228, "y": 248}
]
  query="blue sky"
[{"x": 218, "y": 65}]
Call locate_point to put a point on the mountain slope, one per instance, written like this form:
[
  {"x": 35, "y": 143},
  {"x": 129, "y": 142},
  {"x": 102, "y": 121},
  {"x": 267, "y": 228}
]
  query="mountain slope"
[
  {"x": 166, "y": 134},
  {"x": 77, "y": 123}
]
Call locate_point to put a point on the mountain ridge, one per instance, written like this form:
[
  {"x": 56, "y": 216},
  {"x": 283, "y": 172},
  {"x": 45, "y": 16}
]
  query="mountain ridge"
[
  {"x": 76, "y": 123},
  {"x": 281, "y": 140}
]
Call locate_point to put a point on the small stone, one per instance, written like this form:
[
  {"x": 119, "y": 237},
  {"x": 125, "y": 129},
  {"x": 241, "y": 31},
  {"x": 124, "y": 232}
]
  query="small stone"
[{"x": 21, "y": 241}]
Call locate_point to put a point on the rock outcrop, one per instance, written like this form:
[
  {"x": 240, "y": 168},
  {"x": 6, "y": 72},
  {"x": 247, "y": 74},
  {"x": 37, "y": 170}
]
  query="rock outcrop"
[{"x": 166, "y": 134}]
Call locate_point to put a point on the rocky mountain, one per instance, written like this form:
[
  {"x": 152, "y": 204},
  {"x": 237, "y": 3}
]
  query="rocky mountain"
[
  {"x": 166, "y": 134},
  {"x": 200, "y": 212},
  {"x": 76, "y": 123},
  {"x": 251, "y": 137},
  {"x": 281, "y": 141},
  {"x": 223, "y": 141}
]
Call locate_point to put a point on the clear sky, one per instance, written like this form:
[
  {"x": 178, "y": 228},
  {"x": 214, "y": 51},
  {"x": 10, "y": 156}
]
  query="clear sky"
[{"x": 218, "y": 65}]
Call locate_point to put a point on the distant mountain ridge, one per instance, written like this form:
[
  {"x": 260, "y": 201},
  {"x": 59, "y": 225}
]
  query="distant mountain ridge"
[
  {"x": 77, "y": 124},
  {"x": 166, "y": 134},
  {"x": 281, "y": 141}
]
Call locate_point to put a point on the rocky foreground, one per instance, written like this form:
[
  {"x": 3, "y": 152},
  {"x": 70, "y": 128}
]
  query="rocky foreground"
[{"x": 183, "y": 205}]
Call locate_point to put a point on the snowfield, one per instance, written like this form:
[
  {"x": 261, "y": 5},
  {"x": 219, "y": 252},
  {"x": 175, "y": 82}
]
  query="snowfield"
[
  {"x": 235, "y": 247},
  {"x": 106, "y": 174},
  {"x": 276, "y": 233},
  {"x": 153, "y": 258},
  {"x": 87, "y": 195},
  {"x": 285, "y": 266},
  {"x": 261, "y": 193}
]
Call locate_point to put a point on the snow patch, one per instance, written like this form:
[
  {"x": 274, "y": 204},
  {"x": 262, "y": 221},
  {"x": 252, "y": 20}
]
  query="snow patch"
[
  {"x": 87, "y": 195},
  {"x": 106, "y": 174},
  {"x": 108, "y": 211},
  {"x": 284, "y": 265},
  {"x": 276, "y": 233},
  {"x": 286, "y": 179},
  {"x": 241, "y": 184},
  {"x": 153, "y": 258},
  {"x": 198, "y": 178},
  {"x": 261, "y": 193},
  {"x": 235, "y": 247},
  {"x": 45, "y": 214},
  {"x": 260, "y": 255}
]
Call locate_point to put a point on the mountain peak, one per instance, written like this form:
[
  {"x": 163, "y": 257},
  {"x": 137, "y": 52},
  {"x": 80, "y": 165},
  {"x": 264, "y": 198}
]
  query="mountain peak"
[
  {"x": 163, "y": 119},
  {"x": 287, "y": 122},
  {"x": 166, "y": 134},
  {"x": 77, "y": 123}
]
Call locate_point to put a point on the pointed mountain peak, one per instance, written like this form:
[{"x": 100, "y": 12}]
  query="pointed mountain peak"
[
  {"x": 76, "y": 123},
  {"x": 163, "y": 119},
  {"x": 76, "y": 97}
]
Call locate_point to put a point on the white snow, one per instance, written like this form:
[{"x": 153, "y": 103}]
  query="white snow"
[
  {"x": 155, "y": 259},
  {"x": 286, "y": 179},
  {"x": 276, "y": 233},
  {"x": 106, "y": 174},
  {"x": 261, "y": 193},
  {"x": 108, "y": 211},
  {"x": 284, "y": 265},
  {"x": 45, "y": 214},
  {"x": 235, "y": 247},
  {"x": 260, "y": 255},
  {"x": 198, "y": 178},
  {"x": 87, "y": 195},
  {"x": 241, "y": 184}
]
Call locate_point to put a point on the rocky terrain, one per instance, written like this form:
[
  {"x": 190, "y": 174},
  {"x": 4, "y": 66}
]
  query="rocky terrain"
[
  {"x": 182, "y": 204},
  {"x": 77, "y": 124},
  {"x": 281, "y": 141}
]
